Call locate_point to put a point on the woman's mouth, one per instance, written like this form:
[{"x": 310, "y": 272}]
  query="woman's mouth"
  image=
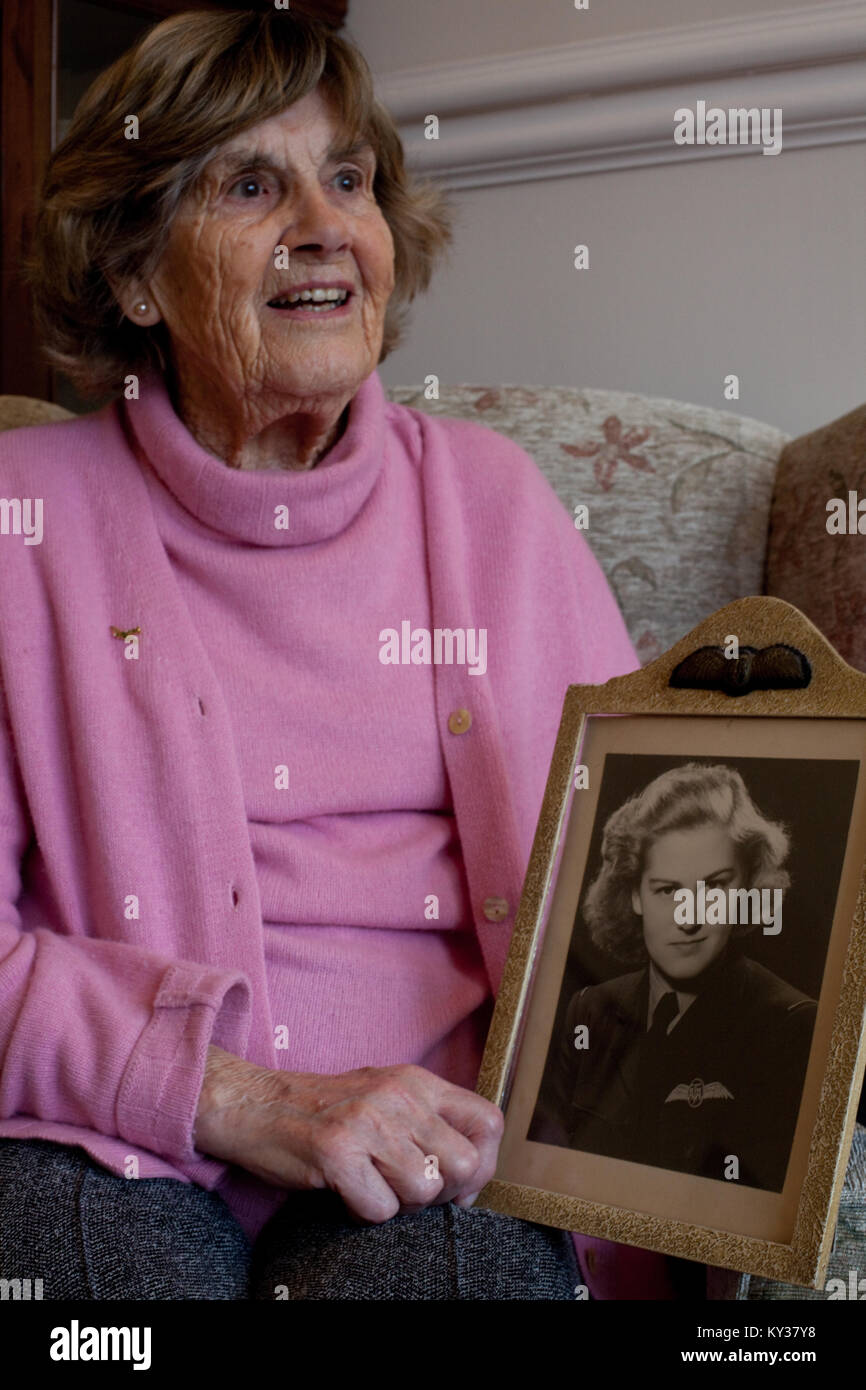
[{"x": 313, "y": 303}]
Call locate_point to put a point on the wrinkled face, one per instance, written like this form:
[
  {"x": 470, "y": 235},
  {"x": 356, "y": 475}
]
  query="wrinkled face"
[
  {"x": 678, "y": 860},
  {"x": 225, "y": 291}
]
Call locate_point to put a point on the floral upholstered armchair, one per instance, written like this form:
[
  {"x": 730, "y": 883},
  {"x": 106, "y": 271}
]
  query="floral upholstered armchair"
[{"x": 686, "y": 508}]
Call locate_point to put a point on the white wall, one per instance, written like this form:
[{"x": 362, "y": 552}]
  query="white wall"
[
  {"x": 736, "y": 263},
  {"x": 405, "y": 33}
]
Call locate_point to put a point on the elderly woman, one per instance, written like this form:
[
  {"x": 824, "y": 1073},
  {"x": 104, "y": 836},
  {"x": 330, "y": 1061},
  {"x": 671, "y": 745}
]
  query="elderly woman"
[
  {"x": 258, "y": 881},
  {"x": 659, "y": 1082}
]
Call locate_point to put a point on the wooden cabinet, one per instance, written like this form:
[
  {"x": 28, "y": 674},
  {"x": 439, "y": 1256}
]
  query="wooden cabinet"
[{"x": 51, "y": 52}]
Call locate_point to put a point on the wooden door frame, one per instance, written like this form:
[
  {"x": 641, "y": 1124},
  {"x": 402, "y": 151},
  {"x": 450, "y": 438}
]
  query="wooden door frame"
[{"x": 27, "y": 114}]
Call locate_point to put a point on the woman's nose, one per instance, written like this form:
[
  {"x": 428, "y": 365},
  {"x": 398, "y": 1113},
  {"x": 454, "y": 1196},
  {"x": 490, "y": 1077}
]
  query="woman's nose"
[
  {"x": 316, "y": 224},
  {"x": 689, "y": 928}
]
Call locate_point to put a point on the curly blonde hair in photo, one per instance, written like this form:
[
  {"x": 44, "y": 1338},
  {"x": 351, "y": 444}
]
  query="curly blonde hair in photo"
[{"x": 680, "y": 799}]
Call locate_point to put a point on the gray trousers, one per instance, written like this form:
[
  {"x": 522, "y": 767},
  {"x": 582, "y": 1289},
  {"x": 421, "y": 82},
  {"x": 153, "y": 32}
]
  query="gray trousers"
[{"x": 88, "y": 1234}]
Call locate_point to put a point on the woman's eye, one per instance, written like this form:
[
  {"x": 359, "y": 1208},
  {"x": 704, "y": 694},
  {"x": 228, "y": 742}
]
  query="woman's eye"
[
  {"x": 352, "y": 176},
  {"x": 245, "y": 185}
]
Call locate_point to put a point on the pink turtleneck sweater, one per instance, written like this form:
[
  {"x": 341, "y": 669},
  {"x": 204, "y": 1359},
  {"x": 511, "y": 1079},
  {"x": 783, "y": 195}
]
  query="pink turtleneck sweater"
[
  {"x": 347, "y": 799},
  {"x": 238, "y": 827}
]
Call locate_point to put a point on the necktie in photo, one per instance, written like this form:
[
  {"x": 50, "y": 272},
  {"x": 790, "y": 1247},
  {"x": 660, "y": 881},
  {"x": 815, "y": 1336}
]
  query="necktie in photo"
[
  {"x": 651, "y": 1085},
  {"x": 666, "y": 1009}
]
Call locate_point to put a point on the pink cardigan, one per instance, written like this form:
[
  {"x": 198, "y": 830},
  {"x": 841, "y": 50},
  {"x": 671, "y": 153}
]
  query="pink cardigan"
[{"x": 130, "y": 924}]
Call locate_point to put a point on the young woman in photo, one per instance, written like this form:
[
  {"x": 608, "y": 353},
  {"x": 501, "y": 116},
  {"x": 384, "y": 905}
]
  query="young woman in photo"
[{"x": 694, "y": 1060}]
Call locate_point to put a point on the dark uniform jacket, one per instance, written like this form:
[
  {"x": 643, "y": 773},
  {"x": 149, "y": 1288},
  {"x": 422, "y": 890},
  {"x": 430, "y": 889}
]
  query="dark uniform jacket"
[{"x": 725, "y": 1082}]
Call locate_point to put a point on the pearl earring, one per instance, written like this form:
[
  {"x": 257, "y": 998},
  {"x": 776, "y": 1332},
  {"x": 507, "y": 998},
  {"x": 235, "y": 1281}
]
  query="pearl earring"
[{"x": 141, "y": 307}]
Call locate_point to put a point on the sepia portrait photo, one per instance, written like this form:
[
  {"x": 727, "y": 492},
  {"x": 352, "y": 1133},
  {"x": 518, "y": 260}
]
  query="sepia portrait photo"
[{"x": 688, "y": 1007}]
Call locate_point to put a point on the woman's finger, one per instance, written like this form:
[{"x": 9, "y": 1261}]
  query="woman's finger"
[
  {"x": 478, "y": 1121},
  {"x": 366, "y": 1192}
]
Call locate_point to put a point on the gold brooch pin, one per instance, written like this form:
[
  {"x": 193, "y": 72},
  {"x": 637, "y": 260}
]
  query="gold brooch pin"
[{"x": 119, "y": 632}]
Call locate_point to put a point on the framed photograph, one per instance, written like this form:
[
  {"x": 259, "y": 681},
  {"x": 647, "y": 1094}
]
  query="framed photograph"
[{"x": 678, "y": 1044}]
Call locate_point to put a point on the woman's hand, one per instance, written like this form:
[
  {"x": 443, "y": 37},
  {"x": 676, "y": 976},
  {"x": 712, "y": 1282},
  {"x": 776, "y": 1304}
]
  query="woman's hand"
[{"x": 367, "y": 1134}]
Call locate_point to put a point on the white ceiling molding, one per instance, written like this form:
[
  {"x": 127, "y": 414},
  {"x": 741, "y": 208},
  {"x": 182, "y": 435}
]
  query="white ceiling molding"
[{"x": 610, "y": 103}]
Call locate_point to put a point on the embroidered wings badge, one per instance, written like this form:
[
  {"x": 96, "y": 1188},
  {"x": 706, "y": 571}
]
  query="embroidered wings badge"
[{"x": 697, "y": 1091}]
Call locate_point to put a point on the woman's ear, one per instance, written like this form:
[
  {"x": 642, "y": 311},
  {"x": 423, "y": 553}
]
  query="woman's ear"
[
  {"x": 136, "y": 301},
  {"x": 140, "y": 309},
  {"x": 635, "y": 902}
]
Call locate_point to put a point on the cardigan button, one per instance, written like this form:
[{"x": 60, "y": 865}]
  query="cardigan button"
[
  {"x": 459, "y": 721},
  {"x": 495, "y": 909}
]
